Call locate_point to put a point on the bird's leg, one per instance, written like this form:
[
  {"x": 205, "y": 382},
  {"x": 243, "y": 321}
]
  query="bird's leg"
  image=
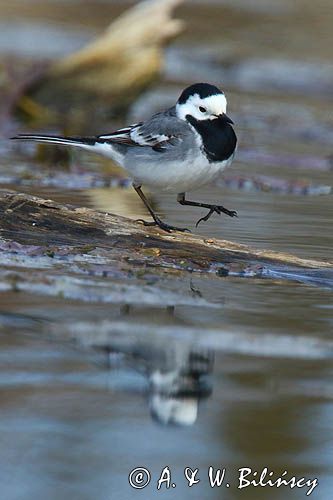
[
  {"x": 219, "y": 209},
  {"x": 157, "y": 220}
]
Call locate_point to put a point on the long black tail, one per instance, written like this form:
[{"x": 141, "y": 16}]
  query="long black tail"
[{"x": 81, "y": 142}]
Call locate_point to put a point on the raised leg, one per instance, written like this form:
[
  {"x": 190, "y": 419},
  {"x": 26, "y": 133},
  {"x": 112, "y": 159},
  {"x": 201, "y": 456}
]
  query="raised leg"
[
  {"x": 157, "y": 220},
  {"x": 219, "y": 209}
]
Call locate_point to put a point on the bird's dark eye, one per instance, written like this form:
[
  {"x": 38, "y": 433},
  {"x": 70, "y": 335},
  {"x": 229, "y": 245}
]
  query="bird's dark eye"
[{"x": 202, "y": 109}]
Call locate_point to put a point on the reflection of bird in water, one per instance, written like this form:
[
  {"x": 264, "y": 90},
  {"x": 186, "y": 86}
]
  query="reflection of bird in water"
[
  {"x": 175, "y": 393},
  {"x": 178, "y": 377}
]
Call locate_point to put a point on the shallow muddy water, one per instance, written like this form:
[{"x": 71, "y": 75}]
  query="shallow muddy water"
[{"x": 107, "y": 368}]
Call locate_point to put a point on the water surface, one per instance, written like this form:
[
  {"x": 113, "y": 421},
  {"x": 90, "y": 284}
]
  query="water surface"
[{"x": 229, "y": 372}]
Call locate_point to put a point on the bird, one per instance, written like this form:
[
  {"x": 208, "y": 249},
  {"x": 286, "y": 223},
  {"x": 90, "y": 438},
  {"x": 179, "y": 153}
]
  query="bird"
[{"x": 177, "y": 150}]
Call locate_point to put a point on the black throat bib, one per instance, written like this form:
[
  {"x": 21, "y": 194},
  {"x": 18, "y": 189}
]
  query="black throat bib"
[{"x": 218, "y": 137}]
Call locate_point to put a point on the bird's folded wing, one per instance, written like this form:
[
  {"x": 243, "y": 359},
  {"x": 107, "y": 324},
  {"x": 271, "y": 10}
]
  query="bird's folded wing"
[{"x": 159, "y": 133}]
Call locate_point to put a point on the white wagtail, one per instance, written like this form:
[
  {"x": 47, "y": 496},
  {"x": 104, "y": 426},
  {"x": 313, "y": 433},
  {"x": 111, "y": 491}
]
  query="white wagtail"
[{"x": 177, "y": 150}]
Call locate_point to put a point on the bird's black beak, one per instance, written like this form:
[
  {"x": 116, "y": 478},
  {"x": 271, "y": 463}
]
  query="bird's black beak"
[{"x": 224, "y": 118}]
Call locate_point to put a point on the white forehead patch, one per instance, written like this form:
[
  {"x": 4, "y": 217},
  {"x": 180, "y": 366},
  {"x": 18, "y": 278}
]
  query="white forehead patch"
[{"x": 214, "y": 104}]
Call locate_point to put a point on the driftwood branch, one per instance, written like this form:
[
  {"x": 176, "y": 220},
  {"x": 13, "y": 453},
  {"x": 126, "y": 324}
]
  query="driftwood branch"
[
  {"x": 30, "y": 220},
  {"x": 120, "y": 63},
  {"x": 130, "y": 49}
]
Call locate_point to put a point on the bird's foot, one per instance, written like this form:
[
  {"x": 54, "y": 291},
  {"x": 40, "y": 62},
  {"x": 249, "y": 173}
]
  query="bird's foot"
[
  {"x": 163, "y": 225},
  {"x": 219, "y": 209}
]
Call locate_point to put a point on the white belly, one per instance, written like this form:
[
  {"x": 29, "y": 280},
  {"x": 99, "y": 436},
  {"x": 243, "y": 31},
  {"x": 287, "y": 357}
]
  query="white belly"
[
  {"x": 172, "y": 171},
  {"x": 179, "y": 177}
]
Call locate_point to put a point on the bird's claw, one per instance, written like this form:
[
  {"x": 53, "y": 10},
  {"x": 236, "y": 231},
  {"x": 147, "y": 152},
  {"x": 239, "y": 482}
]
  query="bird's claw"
[
  {"x": 219, "y": 209},
  {"x": 231, "y": 213},
  {"x": 206, "y": 217},
  {"x": 145, "y": 223},
  {"x": 163, "y": 225},
  {"x": 168, "y": 228}
]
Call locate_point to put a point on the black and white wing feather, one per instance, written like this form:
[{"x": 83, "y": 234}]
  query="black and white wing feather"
[{"x": 161, "y": 132}]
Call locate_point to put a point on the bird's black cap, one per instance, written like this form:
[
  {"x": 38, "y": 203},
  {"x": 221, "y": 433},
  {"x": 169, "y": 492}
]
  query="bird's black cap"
[{"x": 203, "y": 89}]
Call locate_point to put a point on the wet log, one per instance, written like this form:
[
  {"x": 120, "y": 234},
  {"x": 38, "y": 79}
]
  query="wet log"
[{"x": 30, "y": 220}]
